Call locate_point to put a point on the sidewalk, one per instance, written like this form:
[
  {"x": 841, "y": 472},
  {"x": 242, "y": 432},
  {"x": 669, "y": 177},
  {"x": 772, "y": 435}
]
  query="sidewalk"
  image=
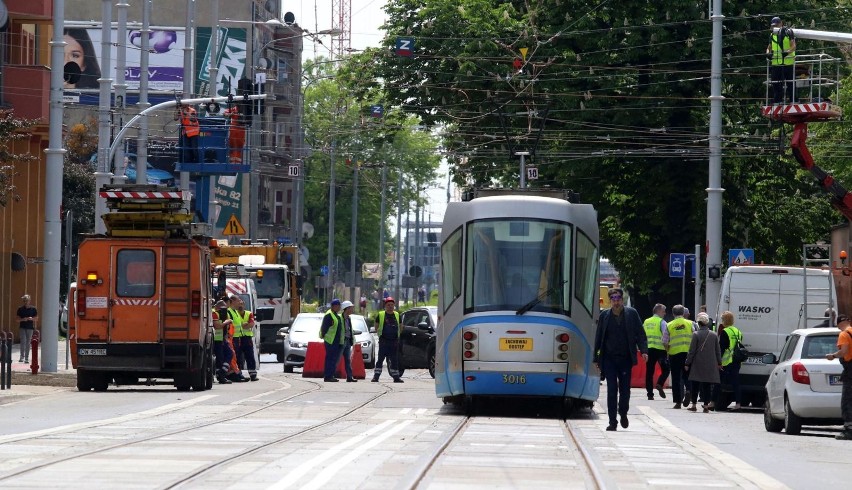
[{"x": 22, "y": 372}]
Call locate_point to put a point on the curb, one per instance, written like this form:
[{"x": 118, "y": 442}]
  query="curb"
[{"x": 68, "y": 379}]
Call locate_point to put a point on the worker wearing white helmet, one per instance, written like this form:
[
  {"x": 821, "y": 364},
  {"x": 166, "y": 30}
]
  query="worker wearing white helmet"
[{"x": 348, "y": 339}]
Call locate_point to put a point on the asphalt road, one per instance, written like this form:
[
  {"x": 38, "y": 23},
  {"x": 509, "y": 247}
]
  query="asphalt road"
[{"x": 287, "y": 431}]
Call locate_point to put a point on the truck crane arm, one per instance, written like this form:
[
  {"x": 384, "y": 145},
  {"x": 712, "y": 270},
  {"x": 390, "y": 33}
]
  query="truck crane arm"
[{"x": 841, "y": 198}]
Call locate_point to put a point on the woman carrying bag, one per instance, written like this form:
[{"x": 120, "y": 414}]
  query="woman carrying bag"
[{"x": 703, "y": 363}]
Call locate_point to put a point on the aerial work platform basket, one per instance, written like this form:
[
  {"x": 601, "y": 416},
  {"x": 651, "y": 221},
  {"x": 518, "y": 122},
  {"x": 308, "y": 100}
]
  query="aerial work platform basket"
[{"x": 812, "y": 94}]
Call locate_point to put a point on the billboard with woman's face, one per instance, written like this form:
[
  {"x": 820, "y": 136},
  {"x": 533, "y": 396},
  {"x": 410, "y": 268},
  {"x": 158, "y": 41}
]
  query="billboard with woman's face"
[{"x": 165, "y": 62}]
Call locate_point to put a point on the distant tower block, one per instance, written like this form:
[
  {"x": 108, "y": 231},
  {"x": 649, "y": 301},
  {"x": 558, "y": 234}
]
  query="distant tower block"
[{"x": 341, "y": 21}]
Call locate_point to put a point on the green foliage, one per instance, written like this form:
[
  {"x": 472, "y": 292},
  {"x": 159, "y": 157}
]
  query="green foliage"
[
  {"x": 12, "y": 129},
  {"x": 625, "y": 87},
  {"x": 78, "y": 183},
  {"x": 341, "y": 131}
]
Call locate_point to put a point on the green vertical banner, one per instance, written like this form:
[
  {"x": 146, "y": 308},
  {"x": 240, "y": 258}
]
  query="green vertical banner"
[{"x": 230, "y": 58}]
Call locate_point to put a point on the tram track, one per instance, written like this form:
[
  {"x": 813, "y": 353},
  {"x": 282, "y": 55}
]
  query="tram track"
[
  {"x": 80, "y": 454},
  {"x": 589, "y": 465}
]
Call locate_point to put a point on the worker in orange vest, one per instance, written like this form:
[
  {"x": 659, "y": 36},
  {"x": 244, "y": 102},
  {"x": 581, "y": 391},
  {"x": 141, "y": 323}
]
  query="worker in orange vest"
[
  {"x": 191, "y": 129},
  {"x": 236, "y": 135}
]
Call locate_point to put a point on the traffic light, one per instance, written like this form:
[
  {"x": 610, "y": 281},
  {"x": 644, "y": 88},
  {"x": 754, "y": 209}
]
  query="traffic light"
[{"x": 244, "y": 89}]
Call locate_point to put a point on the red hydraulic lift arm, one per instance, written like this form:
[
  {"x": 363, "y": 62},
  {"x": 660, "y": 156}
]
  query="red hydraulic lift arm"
[{"x": 841, "y": 198}]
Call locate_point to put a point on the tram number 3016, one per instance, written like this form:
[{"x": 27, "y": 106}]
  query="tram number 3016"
[{"x": 514, "y": 379}]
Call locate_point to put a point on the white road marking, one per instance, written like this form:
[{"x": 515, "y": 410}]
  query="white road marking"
[
  {"x": 96, "y": 423},
  {"x": 421, "y": 411},
  {"x": 726, "y": 461},
  {"x": 312, "y": 463},
  {"x": 337, "y": 403},
  {"x": 405, "y": 410},
  {"x": 326, "y": 474}
]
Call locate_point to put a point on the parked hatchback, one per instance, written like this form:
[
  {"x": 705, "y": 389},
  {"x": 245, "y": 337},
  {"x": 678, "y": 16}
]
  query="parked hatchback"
[
  {"x": 306, "y": 328},
  {"x": 417, "y": 343},
  {"x": 804, "y": 387}
]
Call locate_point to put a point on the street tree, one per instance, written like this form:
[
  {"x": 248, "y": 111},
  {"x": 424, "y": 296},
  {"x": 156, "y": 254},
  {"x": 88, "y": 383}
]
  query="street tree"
[
  {"x": 12, "y": 129},
  {"x": 611, "y": 100}
]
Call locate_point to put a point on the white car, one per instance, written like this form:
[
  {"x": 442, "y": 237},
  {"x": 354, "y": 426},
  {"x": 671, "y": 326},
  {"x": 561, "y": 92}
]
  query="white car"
[
  {"x": 306, "y": 329},
  {"x": 804, "y": 388}
]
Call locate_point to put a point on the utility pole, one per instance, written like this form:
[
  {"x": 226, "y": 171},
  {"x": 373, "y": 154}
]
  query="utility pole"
[
  {"x": 144, "y": 56},
  {"x": 714, "y": 187},
  {"x": 331, "y": 205},
  {"x": 353, "y": 240},
  {"x": 188, "y": 53},
  {"x": 102, "y": 176},
  {"x": 523, "y": 154},
  {"x": 213, "y": 77},
  {"x": 53, "y": 197},
  {"x": 399, "y": 255},
  {"x": 120, "y": 88},
  {"x": 383, "y": 220}
]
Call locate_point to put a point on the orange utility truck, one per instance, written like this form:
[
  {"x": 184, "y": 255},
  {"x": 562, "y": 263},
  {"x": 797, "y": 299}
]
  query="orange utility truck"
[{"x": 142, "y": 305}]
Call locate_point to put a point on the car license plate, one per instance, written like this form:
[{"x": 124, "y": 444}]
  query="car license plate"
[
  {"x": 834, "y": 379},
  {"x": 524, "y": 344},
  {"x": 92, "y": 352},
  {"x": 754, "y": 360}
]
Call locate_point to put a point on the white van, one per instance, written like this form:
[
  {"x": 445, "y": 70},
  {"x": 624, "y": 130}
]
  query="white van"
[{"x": 768, "y": 303}]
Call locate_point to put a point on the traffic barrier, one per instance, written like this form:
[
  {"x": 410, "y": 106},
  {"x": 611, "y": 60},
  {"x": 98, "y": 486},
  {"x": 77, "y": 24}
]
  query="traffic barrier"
[
  {"x": 34, "y": 351},
  {"x": 637, "y": 377},
  {"x": 314, "y": 361},
  {"x": 358, "y": 369}
]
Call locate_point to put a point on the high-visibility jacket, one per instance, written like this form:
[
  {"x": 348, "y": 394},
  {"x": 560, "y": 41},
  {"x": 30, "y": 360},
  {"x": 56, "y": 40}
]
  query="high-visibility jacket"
[
  {"x": 218, "y": 333},
  {"x": 680, "y": 335},
  {"x": 734, "y": 336},
  {"x": 336, "y": 323},
  {"x": 381, "y": 318},
  {"x": 238, "y": 322},
  {"x": 654, "y": 332},
  {"x": 245, "y": 318},
  {"x": 778, "y": 49},
  {"x": 189, "y": 120}
]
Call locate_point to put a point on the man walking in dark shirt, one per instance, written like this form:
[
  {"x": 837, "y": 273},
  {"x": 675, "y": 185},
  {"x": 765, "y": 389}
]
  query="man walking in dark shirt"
[{"x": 619, "y": 336}]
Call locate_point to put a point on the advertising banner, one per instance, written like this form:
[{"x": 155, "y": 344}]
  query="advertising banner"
[
  {"x": 230, "y": 59},
  {"x": 165, "y": 70}
]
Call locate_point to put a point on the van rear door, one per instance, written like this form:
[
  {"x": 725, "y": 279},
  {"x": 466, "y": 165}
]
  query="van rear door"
[
  {"x": 754, "y": 301},
  {"x": 134, "y": 295}
]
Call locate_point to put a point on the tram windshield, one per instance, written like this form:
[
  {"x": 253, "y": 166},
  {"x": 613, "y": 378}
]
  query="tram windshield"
[{"x": 512, "y": 262}]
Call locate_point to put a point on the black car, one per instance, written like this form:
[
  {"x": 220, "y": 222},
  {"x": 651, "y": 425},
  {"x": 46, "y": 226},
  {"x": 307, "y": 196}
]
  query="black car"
[{"x": 417, "y": 344}]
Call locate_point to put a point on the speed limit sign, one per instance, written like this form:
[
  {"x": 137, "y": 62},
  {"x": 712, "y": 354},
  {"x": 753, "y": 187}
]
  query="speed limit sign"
[{"x": 532, "y": 173}]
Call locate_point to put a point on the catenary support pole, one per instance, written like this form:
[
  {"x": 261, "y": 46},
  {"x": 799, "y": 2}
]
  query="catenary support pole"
[
  {"x": 383, "y": 277},
  {"x": 399, "y": 255},
  {"x": 188, "y": 53},
  {"x": 120, "y": 89},
  {"x": 714, "y": 187},
  {"x": 144, "y": 62},
  {"x": 49, "y": 308},
  {"x": 353, "y": 256},
  {"x": 214, "y": 88},
  {"x": 103, "y": 174},
  {"x": 697, "y": 303},
  {"x": 331, "y": 205}
]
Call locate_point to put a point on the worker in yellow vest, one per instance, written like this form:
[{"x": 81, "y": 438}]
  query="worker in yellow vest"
[
  {"x": 223, "y": 354},
  {"x": 332, "y": 334},
  {"x": 677, "y": 340},
  {"x": 729, "y": 336},
  {"x": 781, "y": 53},
  {"x": 654, "y": 330},
  {"x": 246, "y": 346},
  {"x": 388, "y": 330},
  {"x": 236, "y": 337}
]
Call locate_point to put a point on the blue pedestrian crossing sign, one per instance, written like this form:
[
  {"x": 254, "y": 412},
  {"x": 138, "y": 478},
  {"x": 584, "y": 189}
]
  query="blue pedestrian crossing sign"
[
  {"x": 741, "y": 256},
  {"x": 677, "y": 265}
]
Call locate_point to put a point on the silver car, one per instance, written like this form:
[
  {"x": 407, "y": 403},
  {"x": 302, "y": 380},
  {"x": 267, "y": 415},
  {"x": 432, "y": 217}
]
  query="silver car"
[
  {"x": 805, "y": 387},
  {"x": 306, "y": 328}
]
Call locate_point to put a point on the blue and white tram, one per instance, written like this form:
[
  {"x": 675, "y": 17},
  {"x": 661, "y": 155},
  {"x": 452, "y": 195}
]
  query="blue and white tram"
[{"x": 518, "y": 299}]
